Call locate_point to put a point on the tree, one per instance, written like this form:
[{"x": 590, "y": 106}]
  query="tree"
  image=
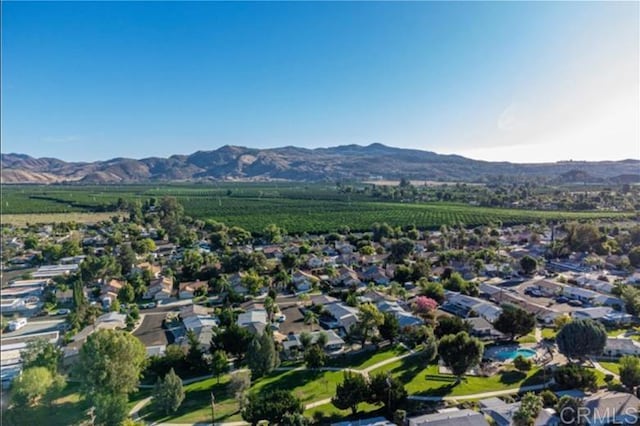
[
  {"x": 460, "y": 352},
  {"x": 239, "y": 384},
  {"x": 194, "y": 358},
  {"x": 271, "y": 405},
  {"x": 432, "y": 290},
  {"x": 219, "y": 363},
  {"x": 192, "y": 261},
  {"x": 580, "y": 338},
  {"x": 561, "y": 320},
  {"x": 424, "y": 306},
  {"x": 634, "y": 257},
  {"x": 568, "y": 410},
  {"x": 390, "y": 327},
  {"x": 573, "y": 376},
  {"x": 315, "y": 357},
  {"x": 630, "y": 371},
  {"x": 110, "y": 408},
  {"x": 401, "y": 249},
  {"x": 262, "y": 357},
  {"x": 530, "y": 407},
  {"x": 168, "y": 393},
  {"x": 528, "y": 264},
  {"x": 631, "y": 298},
  {"x": 386, "y": 390},
  {"x": 515, "y": 321},
  {"x": 234, "y": 339},
  {"x": 310, "y": 318},
  {"x": 127, "y": 294},
  {"x": 111, "y": 362},
  {"x": 352, "y": 391},
  {"x": 126, "y": 258},
  {"x": 522, "y": 364},
  {"x": 40, "y": 353},
  {"x": 451, "y": 325},
  {"x": 305, "y": 339},
  {"x": 369, "y": 318},
  {"x": 31, "y": 385},
  {"x": 273, "y": 233}
]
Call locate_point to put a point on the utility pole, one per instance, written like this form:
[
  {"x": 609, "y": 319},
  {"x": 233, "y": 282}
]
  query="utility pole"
[{"x": 213, "y": 409}]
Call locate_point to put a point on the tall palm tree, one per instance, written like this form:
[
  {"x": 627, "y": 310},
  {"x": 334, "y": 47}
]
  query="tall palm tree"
[{"x": 310, "y": 318}]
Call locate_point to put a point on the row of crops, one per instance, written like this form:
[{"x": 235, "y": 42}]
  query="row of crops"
[{"x": 296, "y": 207}]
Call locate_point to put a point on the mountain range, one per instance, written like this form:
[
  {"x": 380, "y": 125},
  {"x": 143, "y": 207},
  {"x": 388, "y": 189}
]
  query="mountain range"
[{"x": 348, "y": 162}]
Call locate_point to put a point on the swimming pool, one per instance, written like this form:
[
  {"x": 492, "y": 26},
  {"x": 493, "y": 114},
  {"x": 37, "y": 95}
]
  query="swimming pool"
[{"x": 510, "y": 353}]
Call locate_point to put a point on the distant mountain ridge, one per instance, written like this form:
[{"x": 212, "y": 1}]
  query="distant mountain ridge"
[{"x": 347, "y": 162}]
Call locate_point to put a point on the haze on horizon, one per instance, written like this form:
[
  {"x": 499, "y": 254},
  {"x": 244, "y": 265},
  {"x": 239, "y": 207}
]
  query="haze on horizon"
[{"x": 500, "y": 81}]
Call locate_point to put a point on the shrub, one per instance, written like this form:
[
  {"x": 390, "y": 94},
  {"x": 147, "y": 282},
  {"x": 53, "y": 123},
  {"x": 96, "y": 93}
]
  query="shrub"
[
  {"x": 574, "y": 376},
  {"x": 549, "y": 399},
  {"x": 522, "y": 363}
]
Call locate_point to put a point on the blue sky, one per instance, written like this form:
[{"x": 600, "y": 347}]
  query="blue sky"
[{"x": 498, "y": 81}]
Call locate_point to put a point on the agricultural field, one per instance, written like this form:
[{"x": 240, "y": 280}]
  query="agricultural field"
[{"x": 296, "y": 207}]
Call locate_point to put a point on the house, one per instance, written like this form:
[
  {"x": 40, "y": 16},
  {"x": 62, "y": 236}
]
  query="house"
[
  {"x": 64, "y": 297},
  {"x": 619, "y": 346},
  {"x": 450, "y": 416},
  {"x": 187, "y": 290},
  {"x": 375, "y": 274},
  {"x": 155, "y": 270},
  {"x": 338, "y": 315},
  {"x": 51, "y": 271},
  {"x": 200, "y": 321},
  {"x": 463, "y": 306},
  {"x": 581, "y": 294},
  {"x": 502, "y": 412},
  {"x": 405, "y": 318},
  {"x": 110, "y": 290},
  {"x": 303, "y": 281},
  {"x": 549, "y": 288},
  {"x": 255, "y": 320},
  {"x": 606, "y": 315},
  {"x": 346, "y": 277},
  {"x": 315, "y": 262},
  {"x": 483, "y": 329},
  {"x": 611, "y": 408},
  {"x": 334, "y": 342},
  {"x": 159, "y": 289}
]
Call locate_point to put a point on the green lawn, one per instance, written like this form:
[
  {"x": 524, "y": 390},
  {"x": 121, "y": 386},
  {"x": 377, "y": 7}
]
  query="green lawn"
[
  {"x": 616, "y": 331},
  {"x": 196, "y": 406},
  {"x": 366, "y": 359},
  {"x": 549, "y": 333},
  {"x": 68, "y": 409},
  {"x": 529, "y": 338},
  {"x": 330, "y": 414},
  {"x": 307, "y": 385},
  {"x": 425, "y": 380},
  {"x": 614, "y": 367}
]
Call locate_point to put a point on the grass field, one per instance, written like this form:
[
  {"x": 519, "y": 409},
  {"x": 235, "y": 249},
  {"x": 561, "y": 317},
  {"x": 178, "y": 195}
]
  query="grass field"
[
  {"x": 426, "y": 380},
  {"x": 296, "y": 207},
  {"x": 614, "y": 367},
  {"x": 363, "y": 360},
  {"x": 68, "y": 409},
  {"x": 29, "y": 218}
]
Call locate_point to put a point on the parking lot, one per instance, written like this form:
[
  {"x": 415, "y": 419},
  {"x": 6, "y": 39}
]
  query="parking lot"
[
  {"x": 295, "y": 320},
  {"x": 150, "y": 332},
  {"x": 548, "y": 302}
]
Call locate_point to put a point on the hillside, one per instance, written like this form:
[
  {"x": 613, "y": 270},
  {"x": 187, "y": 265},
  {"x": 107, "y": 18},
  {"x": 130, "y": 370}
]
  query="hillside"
[{"x": 350, "y": 162}]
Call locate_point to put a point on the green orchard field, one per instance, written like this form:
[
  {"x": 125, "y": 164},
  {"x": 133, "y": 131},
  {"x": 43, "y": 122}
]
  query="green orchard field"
[{"x": 297, "y": 207}]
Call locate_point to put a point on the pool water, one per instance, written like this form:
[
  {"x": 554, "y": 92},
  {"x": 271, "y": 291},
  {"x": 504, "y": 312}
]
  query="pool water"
[{"x": 510, "y": 353}]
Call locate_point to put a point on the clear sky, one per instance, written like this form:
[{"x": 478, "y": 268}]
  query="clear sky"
[{"x": 524, "y": 82}]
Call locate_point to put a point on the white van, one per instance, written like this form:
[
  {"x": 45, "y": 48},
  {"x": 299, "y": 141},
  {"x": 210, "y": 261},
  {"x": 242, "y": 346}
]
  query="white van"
[{"x": 17, "y": 324}]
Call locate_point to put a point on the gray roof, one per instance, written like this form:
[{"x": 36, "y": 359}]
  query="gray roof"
[{"x": 458, "y": 417}]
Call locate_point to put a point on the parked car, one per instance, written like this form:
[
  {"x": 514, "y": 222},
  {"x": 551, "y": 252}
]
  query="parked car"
[
  {"x": 574, "y": 302},
  {"x": 562, "y": 299},
  {"x": 532, "y": 291},
  {"x": 62, "y": 312},
  {"x": 281, "y": 318}
]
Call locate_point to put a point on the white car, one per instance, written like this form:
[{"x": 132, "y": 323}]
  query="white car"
[{"x": 281, "y": 318}]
